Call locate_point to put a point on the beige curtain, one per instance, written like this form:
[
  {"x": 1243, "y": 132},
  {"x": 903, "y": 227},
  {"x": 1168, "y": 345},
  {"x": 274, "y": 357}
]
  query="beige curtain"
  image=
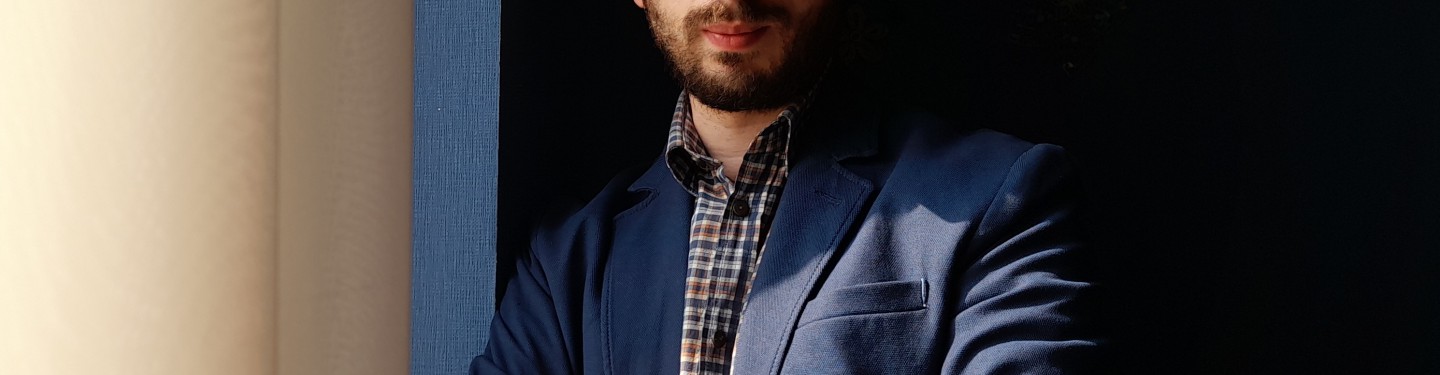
[{"x": 204, "y": 187}]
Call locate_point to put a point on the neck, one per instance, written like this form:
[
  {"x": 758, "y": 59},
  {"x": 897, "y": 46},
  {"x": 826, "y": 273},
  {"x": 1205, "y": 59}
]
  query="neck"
[{"x": 728, "y": 135}]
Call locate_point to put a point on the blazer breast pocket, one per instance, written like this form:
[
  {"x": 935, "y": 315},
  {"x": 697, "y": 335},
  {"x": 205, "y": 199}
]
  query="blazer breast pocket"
[
  {"x": 863, "y": 299},
  {"x": 876, "y": 328}
]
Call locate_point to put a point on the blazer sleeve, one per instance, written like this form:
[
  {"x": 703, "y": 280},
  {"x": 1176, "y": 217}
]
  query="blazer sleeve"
[
  {"x": 1026, "y": 305},
  {"x": 526, "y": 335}
]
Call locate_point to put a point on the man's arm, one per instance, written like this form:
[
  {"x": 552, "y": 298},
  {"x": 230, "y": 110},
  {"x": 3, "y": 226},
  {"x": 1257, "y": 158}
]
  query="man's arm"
[
  {"x": 1026, "y": 304},
  {"x": 526, "y": 336}
]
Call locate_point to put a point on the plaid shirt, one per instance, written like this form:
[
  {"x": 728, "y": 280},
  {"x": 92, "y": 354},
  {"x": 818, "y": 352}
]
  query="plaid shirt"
[{"x": 727, "y": 232}]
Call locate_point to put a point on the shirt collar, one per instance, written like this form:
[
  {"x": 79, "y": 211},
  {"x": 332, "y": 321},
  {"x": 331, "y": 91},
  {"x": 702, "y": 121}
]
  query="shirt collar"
[{"x": 685, "y": 153}]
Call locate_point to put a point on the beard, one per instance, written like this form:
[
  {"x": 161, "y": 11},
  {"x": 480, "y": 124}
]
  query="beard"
[{"x": 801, "y": 61}]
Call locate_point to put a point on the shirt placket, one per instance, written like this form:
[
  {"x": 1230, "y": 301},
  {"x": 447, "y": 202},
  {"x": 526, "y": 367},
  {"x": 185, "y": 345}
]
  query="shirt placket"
[
  {"x": 727, "y": 230},
  {"x": 730, "y": 260}
]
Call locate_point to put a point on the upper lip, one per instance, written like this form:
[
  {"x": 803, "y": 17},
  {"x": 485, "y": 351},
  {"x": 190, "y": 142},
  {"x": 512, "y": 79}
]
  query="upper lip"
[{"x": 732, "y": 28}]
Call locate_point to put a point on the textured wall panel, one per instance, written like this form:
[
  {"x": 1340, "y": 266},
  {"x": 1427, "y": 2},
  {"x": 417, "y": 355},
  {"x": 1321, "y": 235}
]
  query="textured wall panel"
[{"x": 457, "y": 47}]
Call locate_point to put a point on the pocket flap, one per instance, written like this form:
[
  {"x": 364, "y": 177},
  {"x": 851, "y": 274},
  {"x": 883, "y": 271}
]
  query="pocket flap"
[{"x": 873, "y": 298}]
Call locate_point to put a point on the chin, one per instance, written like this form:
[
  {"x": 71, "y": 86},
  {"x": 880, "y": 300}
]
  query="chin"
[{"x": 733, "y": 70}]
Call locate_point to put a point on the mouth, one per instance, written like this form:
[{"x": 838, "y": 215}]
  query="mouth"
[{"x": 733, "y": 37}]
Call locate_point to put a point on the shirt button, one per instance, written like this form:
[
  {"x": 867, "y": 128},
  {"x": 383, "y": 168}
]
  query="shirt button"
[{"x": 739, "y": 209}]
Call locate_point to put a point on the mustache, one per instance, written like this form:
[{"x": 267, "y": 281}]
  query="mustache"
[{"x": 744, "y": 11}]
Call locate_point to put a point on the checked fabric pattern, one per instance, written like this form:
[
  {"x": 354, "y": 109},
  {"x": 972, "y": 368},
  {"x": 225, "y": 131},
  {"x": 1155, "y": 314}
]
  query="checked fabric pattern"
[{"x": 727, "y": 233}]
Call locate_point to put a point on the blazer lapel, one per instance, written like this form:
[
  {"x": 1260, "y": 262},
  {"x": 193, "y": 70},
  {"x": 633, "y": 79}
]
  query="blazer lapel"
[
  {"x": 645, "y": 278},
  {"x": 817, "y": 208}
]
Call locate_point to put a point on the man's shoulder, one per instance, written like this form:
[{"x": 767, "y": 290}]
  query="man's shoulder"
[
  {"x": 919, "y": 139},
  {"x": 617, "y": 196},
  {"x": 972, "y": 172}
]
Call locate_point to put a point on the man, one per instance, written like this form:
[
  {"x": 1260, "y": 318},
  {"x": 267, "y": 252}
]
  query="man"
[{"x": 797, "y": 224}]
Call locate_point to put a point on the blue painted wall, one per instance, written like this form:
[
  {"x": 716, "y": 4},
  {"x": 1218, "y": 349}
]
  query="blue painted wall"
[{"x": 457, "y": 55}]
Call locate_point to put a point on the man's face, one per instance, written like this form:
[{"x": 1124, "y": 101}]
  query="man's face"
[{"x": 743, "y": 55}]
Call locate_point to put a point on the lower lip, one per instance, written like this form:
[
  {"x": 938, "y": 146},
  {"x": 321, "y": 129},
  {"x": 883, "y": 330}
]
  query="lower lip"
[{"x": 734, "y": 42}]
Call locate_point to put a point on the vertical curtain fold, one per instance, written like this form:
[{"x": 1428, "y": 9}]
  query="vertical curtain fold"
[
  {"x": 212, "y": 187},
  {"x": 138, "y": 187}
]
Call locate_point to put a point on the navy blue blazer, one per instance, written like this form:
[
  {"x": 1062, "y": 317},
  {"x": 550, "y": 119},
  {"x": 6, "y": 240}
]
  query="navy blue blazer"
[{"x": 901, "y": 245}]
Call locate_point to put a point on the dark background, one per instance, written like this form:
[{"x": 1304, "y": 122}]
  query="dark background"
[{"x": 1262, "y": 175}]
